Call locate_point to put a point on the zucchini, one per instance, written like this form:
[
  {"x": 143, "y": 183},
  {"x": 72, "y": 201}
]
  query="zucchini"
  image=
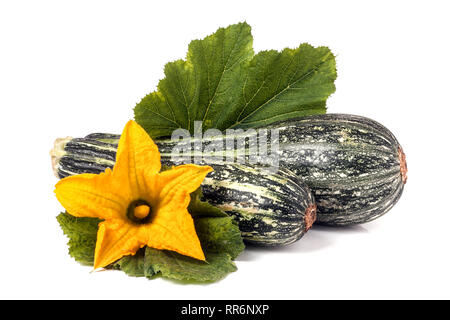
[
  {"x": 354, "y": 166},
  {"x": 271, "y": 209}
]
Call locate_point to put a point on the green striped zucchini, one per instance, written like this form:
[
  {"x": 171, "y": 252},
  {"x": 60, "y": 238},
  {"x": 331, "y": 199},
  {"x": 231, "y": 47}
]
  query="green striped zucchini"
[
  {"x": 271, "y": 209},
  {"x": 354, "y": 166}
]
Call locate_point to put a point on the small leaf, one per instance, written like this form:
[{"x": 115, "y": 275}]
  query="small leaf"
[
  {"x": 82, "y": 234},
  {"x": 219, "y": 235},
  {"x": 132, "y": 265},
  {"x": 176, "y": 266}
]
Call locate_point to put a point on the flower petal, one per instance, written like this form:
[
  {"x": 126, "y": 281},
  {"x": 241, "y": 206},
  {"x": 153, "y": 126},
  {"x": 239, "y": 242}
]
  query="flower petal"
[
  {"x": 115, "y": 239},
  {"x": 91, "y": 195},
  {"x": 185, "y": 179},
  {"x": 173, "y": 229},
  {"x": 136, "y": 154}
]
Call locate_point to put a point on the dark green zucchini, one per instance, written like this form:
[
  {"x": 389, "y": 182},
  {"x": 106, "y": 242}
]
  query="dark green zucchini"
[
  {"x": 354, "y": 166},
  {"x": 271, "y": 209}
]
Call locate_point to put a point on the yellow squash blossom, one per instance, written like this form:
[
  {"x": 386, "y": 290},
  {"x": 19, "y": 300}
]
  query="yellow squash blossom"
[{"x": 140, "y": 206}]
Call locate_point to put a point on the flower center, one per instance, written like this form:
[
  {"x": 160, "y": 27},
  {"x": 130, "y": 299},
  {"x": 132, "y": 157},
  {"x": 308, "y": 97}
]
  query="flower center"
[
  {"x": 142, "y": 211},
  {"x": 139, "y": 211}
]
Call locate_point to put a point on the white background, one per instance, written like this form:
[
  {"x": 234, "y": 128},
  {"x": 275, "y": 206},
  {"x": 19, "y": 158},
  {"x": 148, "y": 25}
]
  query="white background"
[{"x": 76, "y": 67}]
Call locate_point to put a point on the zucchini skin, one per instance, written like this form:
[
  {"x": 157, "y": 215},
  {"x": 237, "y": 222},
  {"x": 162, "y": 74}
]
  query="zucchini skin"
[
  {"x": 271, "y": 209},
  {"x": 354, "y": 166}
]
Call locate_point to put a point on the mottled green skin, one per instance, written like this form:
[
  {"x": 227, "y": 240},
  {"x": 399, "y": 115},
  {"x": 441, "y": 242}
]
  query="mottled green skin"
[
  {"x": 269, "y": 207},
  {"x": 350, "y": 163}
]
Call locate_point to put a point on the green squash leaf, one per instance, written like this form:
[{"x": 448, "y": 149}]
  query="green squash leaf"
[
  {"x": 165, "y": 110},
  {"x": 285, "y": 85},
  {"x": 132, "y": 265},
  {"x": 176, "y": 266},
  {"x": 216, "y": 231},
  {"x": 219, "y": 62},
  {"x": 221, "y": 242},
  {"x": 224, "y": 85},
  {"x": 219, "y": 235},
  {"x": 82, "y": 234}
]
